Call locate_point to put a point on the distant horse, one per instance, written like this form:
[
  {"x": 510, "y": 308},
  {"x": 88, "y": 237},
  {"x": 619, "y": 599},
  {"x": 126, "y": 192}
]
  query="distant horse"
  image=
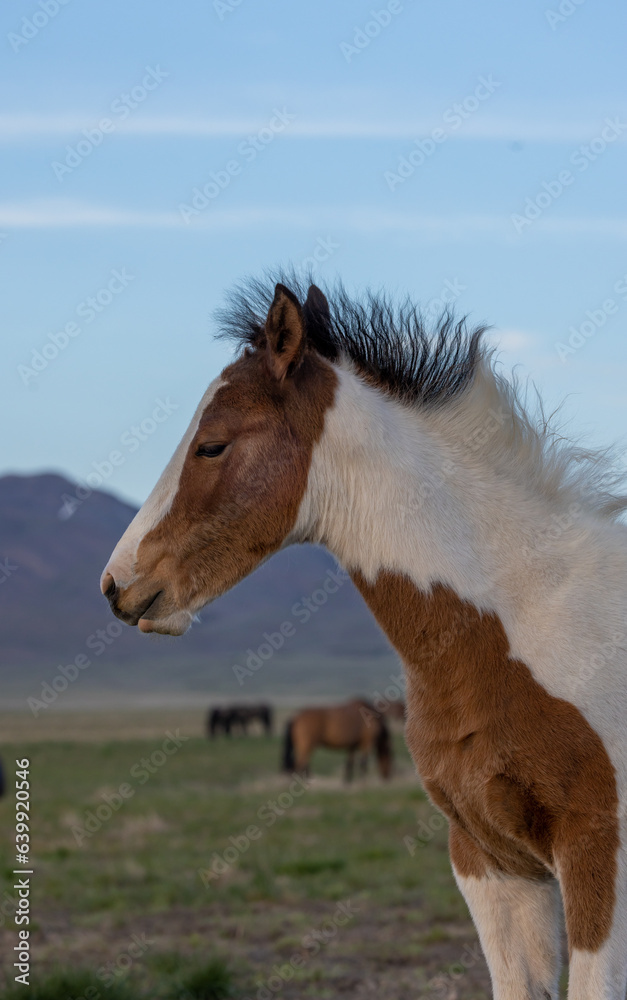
[
  {"x": 354, "y": 726},
  {"x": 490, "y": 551},
  {"x": 225, "y": 719}
]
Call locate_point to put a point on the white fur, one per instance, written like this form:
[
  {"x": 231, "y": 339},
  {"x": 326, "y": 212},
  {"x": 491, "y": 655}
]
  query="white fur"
[
  {"x": 382, "y": 495},
  {"x": 518, "y": 923},
  {"x": 470, "y": 495},
  {"x": 122, "y": 560}
]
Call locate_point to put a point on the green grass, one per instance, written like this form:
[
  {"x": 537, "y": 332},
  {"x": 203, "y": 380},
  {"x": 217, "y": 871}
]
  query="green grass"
[
  {"x": 328, "y": 842},
  {"x": 211, "y": 981},
  {"x": 66, "y": 985},
  {"x": 138, "y": 870},
  {"x": 311, "y": 866}
]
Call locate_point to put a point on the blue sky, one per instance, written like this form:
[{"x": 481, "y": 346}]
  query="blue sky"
[{"x": 303, "y": 117}]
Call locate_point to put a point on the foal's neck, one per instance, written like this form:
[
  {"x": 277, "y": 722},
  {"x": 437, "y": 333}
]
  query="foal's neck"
[{"x": 398, "y": 489}]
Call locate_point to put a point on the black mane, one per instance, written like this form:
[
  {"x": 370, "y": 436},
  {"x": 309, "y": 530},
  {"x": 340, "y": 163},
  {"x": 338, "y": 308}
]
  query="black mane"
[{"x": 389, "y": 344}]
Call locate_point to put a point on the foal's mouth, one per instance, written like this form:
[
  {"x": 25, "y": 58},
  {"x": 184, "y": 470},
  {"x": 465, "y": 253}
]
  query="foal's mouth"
[{"x": 150, "y": 609}]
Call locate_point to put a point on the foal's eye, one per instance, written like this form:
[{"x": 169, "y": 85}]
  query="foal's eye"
[{"x": 210, "y": 450}]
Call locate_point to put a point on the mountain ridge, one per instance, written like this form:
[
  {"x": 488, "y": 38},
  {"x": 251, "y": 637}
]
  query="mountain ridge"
[{"x": 52, "y": 551}]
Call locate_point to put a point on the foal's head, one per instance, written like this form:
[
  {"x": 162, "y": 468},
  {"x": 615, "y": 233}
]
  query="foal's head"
[{"x": 230, "y": 495}]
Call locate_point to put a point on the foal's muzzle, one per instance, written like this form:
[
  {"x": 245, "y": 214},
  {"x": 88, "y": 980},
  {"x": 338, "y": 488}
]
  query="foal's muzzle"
[{"x": 133, "y": 612}]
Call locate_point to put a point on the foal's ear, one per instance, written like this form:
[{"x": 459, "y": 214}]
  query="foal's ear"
[
  {"x": 316, "y": 304},
  {"x": 285, "y": 333}
]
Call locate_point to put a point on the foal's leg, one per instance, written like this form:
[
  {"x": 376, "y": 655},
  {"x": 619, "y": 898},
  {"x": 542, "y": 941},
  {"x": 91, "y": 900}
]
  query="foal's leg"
[
  {"x": 350, "y": 766},
  {"x": 596, "y": 970},
  {"x": 518, "y": 922}
]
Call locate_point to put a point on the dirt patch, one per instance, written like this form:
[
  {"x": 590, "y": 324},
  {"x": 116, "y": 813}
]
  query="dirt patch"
[{"x": 323, "y": 950}]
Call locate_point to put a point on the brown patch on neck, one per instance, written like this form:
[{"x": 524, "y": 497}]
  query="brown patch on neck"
[
  {"x": 230, "y": 513},
  {"x": 525, "y": 780}
]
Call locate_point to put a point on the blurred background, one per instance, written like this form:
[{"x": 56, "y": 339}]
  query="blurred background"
[{"x": 152, "y": 156}]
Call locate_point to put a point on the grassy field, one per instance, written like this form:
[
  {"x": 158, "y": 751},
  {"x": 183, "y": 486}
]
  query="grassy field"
[{"x": 182, "y": 868}]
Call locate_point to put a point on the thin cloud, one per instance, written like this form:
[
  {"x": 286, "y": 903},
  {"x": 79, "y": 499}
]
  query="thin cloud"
[
  {"x": 513, "y": 340},
  {"x": 16, "y": 128},
  {"x": 69, "y": 213},
  {"x": 61, "y": 213}
]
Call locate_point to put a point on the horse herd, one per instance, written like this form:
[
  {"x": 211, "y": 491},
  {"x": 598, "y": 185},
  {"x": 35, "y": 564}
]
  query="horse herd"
[{"x": 355, "y": 726}]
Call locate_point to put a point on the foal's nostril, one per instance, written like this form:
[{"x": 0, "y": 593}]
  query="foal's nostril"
[{"x": 107, "y": 584}]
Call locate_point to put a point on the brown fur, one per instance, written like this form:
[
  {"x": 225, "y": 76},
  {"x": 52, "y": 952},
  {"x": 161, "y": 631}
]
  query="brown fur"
[{"x": 524, "y": 779}]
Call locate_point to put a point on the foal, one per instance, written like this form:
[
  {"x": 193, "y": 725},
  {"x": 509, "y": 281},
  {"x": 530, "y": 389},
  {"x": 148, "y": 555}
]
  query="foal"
[{"x": 490, "y": 553}]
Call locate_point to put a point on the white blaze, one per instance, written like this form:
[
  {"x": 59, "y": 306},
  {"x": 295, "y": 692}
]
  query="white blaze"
[{"x": 122, "y": 560}]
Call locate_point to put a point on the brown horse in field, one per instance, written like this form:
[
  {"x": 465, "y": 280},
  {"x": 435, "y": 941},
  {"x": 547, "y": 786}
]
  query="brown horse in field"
[{"x": 354, "y": 726}]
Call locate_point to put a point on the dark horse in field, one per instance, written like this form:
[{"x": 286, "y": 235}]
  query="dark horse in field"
[
  {"x": 226, "y": 718},
  {"x": 355, "y": 726}
]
